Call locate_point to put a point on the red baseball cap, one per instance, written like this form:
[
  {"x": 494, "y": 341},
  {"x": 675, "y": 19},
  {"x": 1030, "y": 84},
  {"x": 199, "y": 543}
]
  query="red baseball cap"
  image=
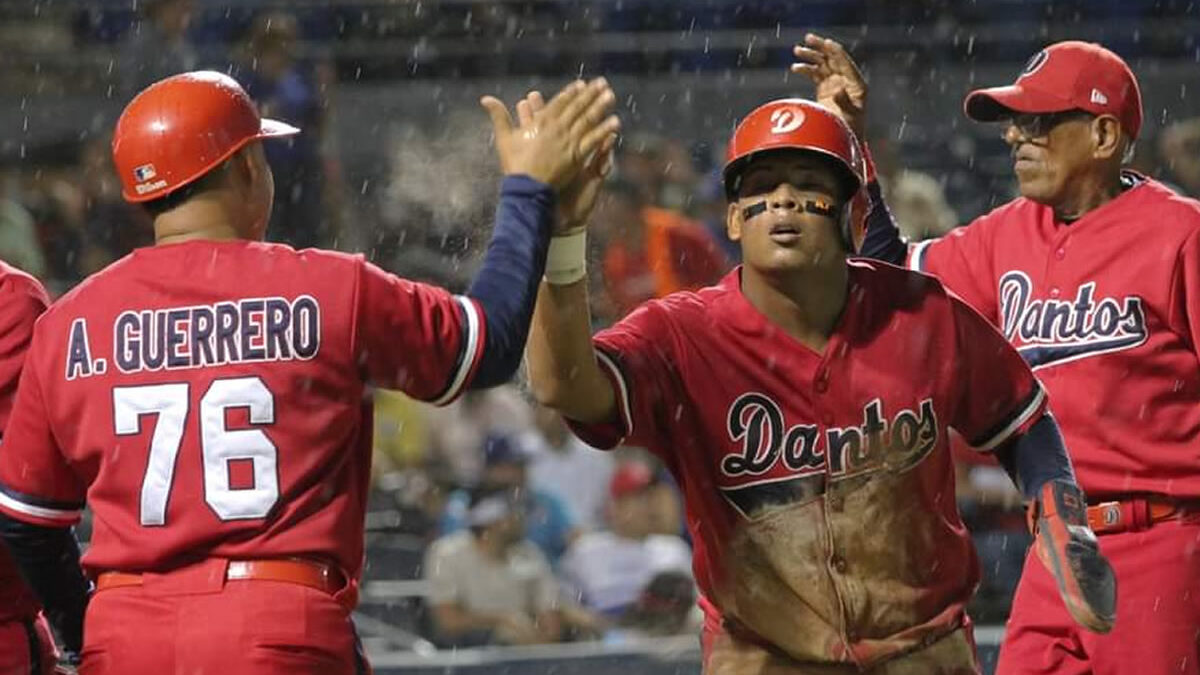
[
  {"x": 1069, "y": 75},
  {"x": 629, "y": 478}
]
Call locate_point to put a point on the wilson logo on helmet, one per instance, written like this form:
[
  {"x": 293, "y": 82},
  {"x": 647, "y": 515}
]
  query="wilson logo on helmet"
[
  {"x": 786, "y": 120},
  {"x": 144, "y": 173}
]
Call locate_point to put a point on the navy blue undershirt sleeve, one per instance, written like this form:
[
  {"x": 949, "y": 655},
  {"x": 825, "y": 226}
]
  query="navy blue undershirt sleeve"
[
  {"x": 48, "y": 559},
  {"x": 882, "y": 240},
  {"x": 506, "y": 285},
  {"x": 1036, "y": 457}
]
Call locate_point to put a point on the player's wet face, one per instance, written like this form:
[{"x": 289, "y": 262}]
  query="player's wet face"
[
  {"x": 1049, "y": 152},
  {"x": 786, "y": 215}
]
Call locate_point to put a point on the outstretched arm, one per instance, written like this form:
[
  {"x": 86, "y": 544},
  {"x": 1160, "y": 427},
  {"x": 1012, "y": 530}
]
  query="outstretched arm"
[
  {"x": 506, "y": 285},
  {"x": 432, "y": 345},
  {"x": 563, "y": 372}
]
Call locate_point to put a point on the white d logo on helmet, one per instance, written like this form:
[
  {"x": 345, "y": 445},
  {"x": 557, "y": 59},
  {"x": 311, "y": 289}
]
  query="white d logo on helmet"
[{"x": 786, "y": 120}]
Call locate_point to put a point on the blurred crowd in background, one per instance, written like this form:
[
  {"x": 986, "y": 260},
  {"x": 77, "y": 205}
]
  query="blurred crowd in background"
[{"x": 516, "y": 531}]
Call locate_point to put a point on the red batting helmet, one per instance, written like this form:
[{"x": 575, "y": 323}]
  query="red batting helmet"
[
  {"x": 178, "y": 129},
  {"x": 800, "y": 124}
]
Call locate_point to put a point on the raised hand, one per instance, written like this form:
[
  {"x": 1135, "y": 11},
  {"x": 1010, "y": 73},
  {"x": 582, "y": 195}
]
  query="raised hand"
[
  {"x": 577, "y": 200},
  {"x": 840, "y": 85},
  {"x": 554, "y": 143}
]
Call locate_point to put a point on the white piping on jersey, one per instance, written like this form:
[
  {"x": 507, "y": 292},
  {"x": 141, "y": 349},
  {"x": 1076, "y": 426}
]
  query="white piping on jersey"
[
  {"x": 916, "y": 257},
  {"x": 1016, "y": 423},
  {"x": 622, "y": 393},
  {"x": 58, "y": 515},
  {"x": 470, "y": 351}
]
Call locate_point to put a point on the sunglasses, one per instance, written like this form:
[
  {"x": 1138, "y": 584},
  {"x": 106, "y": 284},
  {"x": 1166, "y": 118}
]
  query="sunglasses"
[{"x": 1040, "y": 125}]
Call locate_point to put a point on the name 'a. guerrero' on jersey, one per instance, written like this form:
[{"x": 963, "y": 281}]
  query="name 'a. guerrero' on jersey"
[
  {"x": 1049, "y": 331},
  {"x": 246, "y": 331}
]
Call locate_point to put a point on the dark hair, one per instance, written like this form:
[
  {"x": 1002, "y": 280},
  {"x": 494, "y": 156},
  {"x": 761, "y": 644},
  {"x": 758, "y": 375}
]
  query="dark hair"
[{"x": 208, "y": 181}]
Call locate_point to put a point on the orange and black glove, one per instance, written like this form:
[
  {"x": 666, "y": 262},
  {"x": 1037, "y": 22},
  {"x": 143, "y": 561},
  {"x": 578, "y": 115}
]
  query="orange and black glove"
[{"x": 1069, "y": 550}]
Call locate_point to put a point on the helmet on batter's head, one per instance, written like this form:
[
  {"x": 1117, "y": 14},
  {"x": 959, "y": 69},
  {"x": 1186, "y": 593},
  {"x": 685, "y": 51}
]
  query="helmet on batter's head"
[
  {"x": 178, "y": 129},
  {"x": 794, "y": 124},
  {"x": 800, "y": 124}
]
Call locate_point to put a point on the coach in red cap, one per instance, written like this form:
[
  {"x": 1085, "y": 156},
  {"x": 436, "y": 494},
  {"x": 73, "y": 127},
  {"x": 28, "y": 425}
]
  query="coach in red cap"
[
  {"x": 1065, "y": 77},
  {"x": 1093, "y": 274}
]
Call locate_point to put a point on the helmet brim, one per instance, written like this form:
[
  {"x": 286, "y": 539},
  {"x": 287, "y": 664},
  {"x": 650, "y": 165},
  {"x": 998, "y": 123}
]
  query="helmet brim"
[{"x": 273, "y": 128}]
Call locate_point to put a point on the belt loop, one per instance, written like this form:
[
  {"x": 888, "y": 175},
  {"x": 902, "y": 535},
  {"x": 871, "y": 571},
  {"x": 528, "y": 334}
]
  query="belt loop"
[{"x": 1139, "y": 510}]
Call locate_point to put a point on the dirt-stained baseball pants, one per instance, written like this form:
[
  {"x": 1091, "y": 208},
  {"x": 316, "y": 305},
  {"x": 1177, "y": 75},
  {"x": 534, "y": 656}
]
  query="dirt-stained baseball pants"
[{"x": 725, "y": 654}]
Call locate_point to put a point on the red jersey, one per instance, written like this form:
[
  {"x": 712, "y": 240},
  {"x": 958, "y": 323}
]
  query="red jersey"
[
  {"x": 1106, "y": 310},
  {"x": 22, "y": 299},
  {"x": 208, "y": 399},
  {"x": 820, "y": 487}
]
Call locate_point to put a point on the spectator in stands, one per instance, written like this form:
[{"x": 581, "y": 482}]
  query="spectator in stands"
[
  {"x": 548, "y": 522},
  {"x": 919, "y": 205},
  {"x": 564, "y": 466},
  {"x": 54, "y": 199},
  {"x": 296, "y": 92},
  {"x": 665, "y": 513},
  {"x": 112, "y": 228},
  {"x": 490, "y": 585},
  {"x": 458, "y": 431},
  {"x": 710, "y": 206},
  {"x": 157, "y": 45},
  {"x": 650, "y": 252},
  {"x": 18, "y": 239},
  {"x": 609, "y": 570},
  {"x": 1179, "y": 147}
]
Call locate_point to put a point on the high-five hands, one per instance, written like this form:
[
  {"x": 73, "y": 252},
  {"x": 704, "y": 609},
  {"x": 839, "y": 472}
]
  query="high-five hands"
[
  {"x": 555, "y": 141},
  {"x": 577, "y": 199}
]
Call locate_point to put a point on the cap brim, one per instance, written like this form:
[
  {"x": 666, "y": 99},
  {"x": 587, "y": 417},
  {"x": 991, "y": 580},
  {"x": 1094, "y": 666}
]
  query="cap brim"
[
  {"x": 998, "y": 103},
  {"x": 272, "y": 128}
]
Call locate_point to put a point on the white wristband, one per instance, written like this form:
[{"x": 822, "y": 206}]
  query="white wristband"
[{"x": 566, "y": 262}]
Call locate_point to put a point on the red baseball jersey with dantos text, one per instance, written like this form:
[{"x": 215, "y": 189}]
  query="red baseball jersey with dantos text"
[
  {"x": 208, "y": 399},
  {"x": 819, "y": 487},
  {"x": 1106, "y": 310},
  {"x": 22, "y": 299}
]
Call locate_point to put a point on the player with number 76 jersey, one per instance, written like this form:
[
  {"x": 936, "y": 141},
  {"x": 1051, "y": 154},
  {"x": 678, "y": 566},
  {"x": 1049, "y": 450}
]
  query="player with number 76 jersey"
[{"x": 207, "y": 396}]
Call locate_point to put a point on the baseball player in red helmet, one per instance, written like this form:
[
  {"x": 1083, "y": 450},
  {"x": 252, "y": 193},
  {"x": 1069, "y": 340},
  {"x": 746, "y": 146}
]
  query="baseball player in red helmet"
[
  {"x": 26, "y": 645},
  {"x": 804, "y": 406},
  {"x": 205, "y": 395},
  {"x": 1104, "y": 310}
]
